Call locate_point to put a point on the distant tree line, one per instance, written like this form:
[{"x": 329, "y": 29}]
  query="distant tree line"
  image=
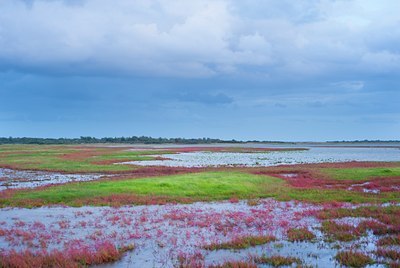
[
  {"x": 365, "y": 141},
  {"x": 131, "y": 140},
  {"x": 146, "y": 140}
]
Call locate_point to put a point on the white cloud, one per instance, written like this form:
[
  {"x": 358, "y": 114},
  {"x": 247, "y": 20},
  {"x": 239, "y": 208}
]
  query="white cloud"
[
  {"x": 350, "y": 85},
  {"x": 200, "y": 37}
]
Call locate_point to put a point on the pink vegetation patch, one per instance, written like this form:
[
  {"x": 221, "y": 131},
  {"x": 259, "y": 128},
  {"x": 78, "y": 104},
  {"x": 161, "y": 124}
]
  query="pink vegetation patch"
[
  {"x": 78, "y": 255},
  {"x": 308, "y": 180}
]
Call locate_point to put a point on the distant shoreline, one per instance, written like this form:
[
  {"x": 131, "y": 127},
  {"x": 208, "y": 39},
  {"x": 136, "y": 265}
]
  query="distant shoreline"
[{"x": 136, "y": 140}]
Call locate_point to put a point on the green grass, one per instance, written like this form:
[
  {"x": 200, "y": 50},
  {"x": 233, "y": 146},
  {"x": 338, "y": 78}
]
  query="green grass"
[
  {"x": 52, "y": 161},
  {"x": 321, "y": 196},
  {"x": 51, "y": 158},
  {"x": 204, "y": 186},
  {"x": 361, "y": 173}
]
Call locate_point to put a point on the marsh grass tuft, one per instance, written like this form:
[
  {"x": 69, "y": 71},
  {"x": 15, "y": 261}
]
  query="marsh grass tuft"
[
  {"x": 241, "y": 242},
  {"x": 353, "y": 259}
]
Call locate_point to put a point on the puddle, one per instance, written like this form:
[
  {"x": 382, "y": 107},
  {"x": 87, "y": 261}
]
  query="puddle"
[
  {"x": 363, "y": 188},
  {"x": 289, "y": 175},
  {"x": 12, "y": 179},
  {"x": 371, "y": 187}
]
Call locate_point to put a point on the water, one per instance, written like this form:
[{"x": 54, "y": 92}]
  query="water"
[
  {"x": 312, "y": 155},
  {"x": 161, "y": 233},
  {"x": 12, "y": 179}
]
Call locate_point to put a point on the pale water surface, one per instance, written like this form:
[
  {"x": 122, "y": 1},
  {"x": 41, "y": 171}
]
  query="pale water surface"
[
  {"x": 312, "y": 155},
  {"x": 12, "y": 179}
]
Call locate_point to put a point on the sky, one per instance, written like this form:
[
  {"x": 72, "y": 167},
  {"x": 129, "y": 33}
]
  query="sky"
[{"x": 311, "y": 70}]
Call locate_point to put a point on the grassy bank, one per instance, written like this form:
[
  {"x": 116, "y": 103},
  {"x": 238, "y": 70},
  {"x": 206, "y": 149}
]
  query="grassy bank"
[
  {"x": 197, "y": 186},
  {"x": 204, "y": 186},
  {"x": 362, "y": 173},
  {"x": 311, "y": 183},
  {"x": 70, "y": 159}
]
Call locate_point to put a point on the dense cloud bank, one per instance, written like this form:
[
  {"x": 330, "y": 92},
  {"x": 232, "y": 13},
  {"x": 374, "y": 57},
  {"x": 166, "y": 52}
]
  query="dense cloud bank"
[{"x": 200, "y": 37}]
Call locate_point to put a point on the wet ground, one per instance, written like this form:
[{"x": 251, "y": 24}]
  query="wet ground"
[
  {"x": 12, "y": 179},
  {"x": 312, "y": 155},
  {"x": 162, "y": 234}
]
